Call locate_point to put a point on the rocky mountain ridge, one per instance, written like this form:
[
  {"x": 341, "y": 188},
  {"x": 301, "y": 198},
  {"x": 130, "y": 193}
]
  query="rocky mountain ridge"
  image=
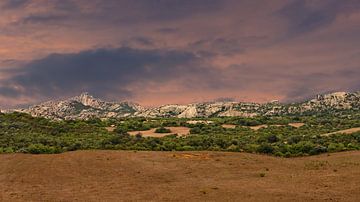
[{"x": 86, "y": 106}]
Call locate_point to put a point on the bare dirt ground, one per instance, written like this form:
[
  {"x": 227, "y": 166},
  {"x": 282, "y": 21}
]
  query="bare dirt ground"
[
  {"x": 110, "y": 129},
  {"x": 178, "y": 176},
  {"x": 347, "y": 131},
  {"x": 258, "y": 127},
  {"x": 296, "y": 125},
  {"x": 228, "y": 126},
  {"x": 181, "y": 131}
]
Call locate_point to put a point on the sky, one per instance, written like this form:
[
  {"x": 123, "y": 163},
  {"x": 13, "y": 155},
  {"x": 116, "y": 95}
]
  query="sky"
[{"x": 157, "y": 52}]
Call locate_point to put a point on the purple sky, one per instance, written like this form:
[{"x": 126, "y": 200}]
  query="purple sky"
[{"x": 177, "y": 51}]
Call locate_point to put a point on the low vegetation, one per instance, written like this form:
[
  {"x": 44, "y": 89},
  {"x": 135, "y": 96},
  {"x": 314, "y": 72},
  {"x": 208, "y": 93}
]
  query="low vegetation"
[
  {"x": 162, "y": 130},
  {"x": 26, "y": 134}
]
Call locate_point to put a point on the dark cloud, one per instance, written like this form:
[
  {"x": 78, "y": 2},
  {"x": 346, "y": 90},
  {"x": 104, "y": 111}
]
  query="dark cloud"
[
  {"x": 306, "y": 86},
  {"x": 44, "y": 19},
  {"x": 165, "y": 10},
  {"x": 138, "y": 41},
  {"x": 222, "y": 46},
  {"x": 183, "y": 48},
  {"x": 100, "y": 71},
  {"x": 168, "y": 30},
  {"x": 14, "y": 4},
  {"x": 303, "y": 18}
]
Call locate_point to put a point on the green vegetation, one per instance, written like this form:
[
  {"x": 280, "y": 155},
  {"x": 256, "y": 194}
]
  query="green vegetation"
[
  {"x": 23, "y": 133},
  {"x": 162, "y": 130}
]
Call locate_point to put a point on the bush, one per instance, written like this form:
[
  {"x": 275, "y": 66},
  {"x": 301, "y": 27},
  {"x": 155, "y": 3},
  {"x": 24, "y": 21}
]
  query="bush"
[
  {"x": 272, "y": 138},
  {"x": 265, "y": 148},
  {"x": 335, "y": 147},
  {"x": 41, "y": 149},
  {"x": 162, "y": 130},
  {"x": 195, "y": 130}
]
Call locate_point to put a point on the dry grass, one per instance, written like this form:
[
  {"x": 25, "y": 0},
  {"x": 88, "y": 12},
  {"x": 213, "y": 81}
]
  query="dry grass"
[{"x": 178, "y": 176}]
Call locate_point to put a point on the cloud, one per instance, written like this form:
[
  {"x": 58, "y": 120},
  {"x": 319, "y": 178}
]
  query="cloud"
[
  {"x": 167, "y": 30},
  {"x": 100, "y": 71},
  {"x": 182, "y": 49},
  {"x": 14, "y": 4},
  {"x": 303, "y": 18},
  {"x": 43, "y": 19}
]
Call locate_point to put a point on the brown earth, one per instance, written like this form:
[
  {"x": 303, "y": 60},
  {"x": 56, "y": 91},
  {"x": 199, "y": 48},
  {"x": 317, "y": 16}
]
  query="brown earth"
[
  {"x": 347, "y": 131},
  {"x": 228, "y": 126},
  {"x": 181, "y": 131},
  {"x": 178, "y": 176},
  {"x": 258, "y": 127},
  {"x": 296, "y": 125}
]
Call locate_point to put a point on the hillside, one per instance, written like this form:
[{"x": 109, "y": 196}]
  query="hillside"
[{"x": 86, "y": 106}]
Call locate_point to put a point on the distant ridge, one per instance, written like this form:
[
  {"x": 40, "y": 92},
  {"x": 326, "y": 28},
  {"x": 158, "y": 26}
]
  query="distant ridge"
[{"x": 85, "y": 106}]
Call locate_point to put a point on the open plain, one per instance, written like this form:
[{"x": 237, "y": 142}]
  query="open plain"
[{"x": 178, "y": 176}]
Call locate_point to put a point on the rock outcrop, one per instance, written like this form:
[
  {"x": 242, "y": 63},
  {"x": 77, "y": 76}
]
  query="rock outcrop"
[{"x": 86, "y": 106}]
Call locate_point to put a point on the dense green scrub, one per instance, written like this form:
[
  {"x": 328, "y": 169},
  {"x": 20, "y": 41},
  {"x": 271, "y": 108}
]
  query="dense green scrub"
[{"x": 23, "y": 133}]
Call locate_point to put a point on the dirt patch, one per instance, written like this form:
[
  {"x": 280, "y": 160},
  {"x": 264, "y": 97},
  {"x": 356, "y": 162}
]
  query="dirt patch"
[
  {"x": 347, "y": 131},
  {"x": 264, "y": 126},
  {"x": 229, "y": 126},
  {"x": 191, "y": 156},
  {"x": 258, "y": 127},
  {"x": 110, "y": 129},
  {"x": 296, "y": 125},
  {"x": 199, "y": 121},
  {"x": 178, "y": 176},
  {"x": 181, "y": 131}
]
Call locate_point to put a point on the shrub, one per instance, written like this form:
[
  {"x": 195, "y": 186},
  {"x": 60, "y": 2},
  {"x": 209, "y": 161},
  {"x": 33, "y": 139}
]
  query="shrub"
[
  {"x": 265, "y": 148},
  {"x": 195, "y": 130},
  {"x": 272, "y": 138},
  {"x": 162, "y": 130},
  {"x": 334, "y": 147},
  {"x": 41, "y": 149}
]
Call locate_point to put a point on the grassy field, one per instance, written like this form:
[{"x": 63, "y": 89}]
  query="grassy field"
[{"x": 178, "y": 176}]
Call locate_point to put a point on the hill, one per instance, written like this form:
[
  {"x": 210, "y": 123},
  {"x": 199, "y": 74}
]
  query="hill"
[{"x": 86, "y": 106}]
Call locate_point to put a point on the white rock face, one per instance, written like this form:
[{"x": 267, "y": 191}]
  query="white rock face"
[
  {"x": 189, "y": 112},
  {"x": 86, "y": 106}
]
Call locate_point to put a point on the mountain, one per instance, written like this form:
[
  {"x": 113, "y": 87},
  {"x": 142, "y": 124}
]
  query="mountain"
[{"x": 86, "y": 106}]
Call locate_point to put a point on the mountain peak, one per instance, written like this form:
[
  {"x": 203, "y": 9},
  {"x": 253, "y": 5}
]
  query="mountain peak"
[
  {"x": 85, "y": 94},
  {"x": 86, "y": 106},
  {"x": 88, "y": 100}
]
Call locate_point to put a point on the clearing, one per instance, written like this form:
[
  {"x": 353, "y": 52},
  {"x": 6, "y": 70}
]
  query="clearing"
[
  {"x": 347, "y": 131},
  {"x": 181, "y": 131},
  {"x": 228, "y": 126},
  {"x": 296, "y": 125}
]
